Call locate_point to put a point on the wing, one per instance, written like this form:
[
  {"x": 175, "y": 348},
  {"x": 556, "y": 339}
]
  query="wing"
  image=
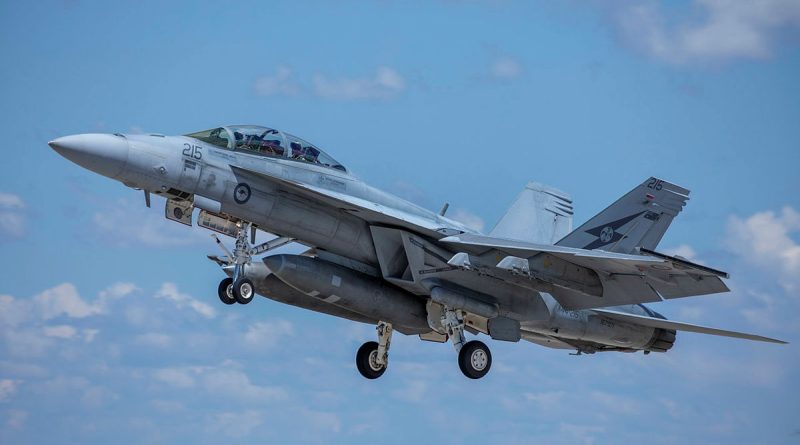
[
  {"x": 367, "y": 210},
  {"x": 668, "y": 324},
  {"x": 584, "y": 279}
]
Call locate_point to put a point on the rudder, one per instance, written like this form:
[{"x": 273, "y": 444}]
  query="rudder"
[{"x": 540, "y": 214}]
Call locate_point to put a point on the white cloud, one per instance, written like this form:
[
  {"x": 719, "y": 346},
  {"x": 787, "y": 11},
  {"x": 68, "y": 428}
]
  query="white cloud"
[
  {"x": 63, "y": 300},
  {"x": 177, "y": 377},
  {"x": 235, "y": 384},
  {"x": 12, "y": 224},
  {"x": 16, "y": 418},
  {"x": 547, "y": 400},
  {"x": 223, "y": 380},
  {"x": 691, "y": 313},
  {"x": 615, "y": 403},
  {"x": 415, "y": 391},
  {"x": 763, "y": 240},
  {"x": 154, "y": 339},
  {"x": 90, "y": 334},
  {"x": 467, "y": 218},
  {"x": 729, "y": 29},
  {"x": 169, "y": 291},
  {"x": 280, "y": 84},
  {"x": 117, "y": 290},
  {"x": 8, "y": 388},
  {"x": 13, "y": 312},
  {"x": 26, "y": 342},
  {"x": 386, "y": 83},
  {"x": 323, "y": 421},
  {"x": 11, "y": 201},
  {"x": 236, "y": 424},
  {"x": 61, "y": 331},
  {"x": 168, "y": 406},
  {"x": 586, "y": 434},
  {"x": 506, "y": 68},
  {"x": 97, "y": 396},
  {"x": 265, "y": 334},
  {"x": 12, "y": 216}
]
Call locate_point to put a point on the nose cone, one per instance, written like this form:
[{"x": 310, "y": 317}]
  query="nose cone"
[
  {"x": 274, "y": 264},
  {"x": 105, "y": 154}
]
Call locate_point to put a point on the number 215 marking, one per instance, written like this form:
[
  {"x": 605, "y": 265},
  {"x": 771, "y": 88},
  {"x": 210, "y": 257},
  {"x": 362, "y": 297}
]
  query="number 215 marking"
[
  {"x": 655, "y": 184},
  {"x": 193, "y": 151}
]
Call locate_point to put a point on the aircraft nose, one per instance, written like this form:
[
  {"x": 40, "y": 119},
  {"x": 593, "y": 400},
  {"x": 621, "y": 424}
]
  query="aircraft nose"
[{"x": 105, "y": 154}]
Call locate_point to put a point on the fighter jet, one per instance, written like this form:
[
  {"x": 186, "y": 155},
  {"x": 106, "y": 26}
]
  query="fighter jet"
[{"x": 375, "y": 258}]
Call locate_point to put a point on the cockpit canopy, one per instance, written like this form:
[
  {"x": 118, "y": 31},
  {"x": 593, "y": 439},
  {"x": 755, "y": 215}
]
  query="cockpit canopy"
[{"x": 266, "y": 142}]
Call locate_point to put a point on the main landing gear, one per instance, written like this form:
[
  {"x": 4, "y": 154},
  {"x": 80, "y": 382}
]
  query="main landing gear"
[
  {"x": 474, "y": 357},
  {"x": 238, "y": 288},
  {"x": 372, "y": 357}
]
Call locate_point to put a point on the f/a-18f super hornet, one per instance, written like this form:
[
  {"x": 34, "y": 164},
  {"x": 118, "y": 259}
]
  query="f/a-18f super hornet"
[{"x": 375, "y": 258}]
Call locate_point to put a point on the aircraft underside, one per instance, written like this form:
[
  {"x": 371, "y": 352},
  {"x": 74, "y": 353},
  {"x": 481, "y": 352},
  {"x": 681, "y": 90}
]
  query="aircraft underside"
[
  {"x": 378, "y": 259},
  {"x": 325, "y": 282}
]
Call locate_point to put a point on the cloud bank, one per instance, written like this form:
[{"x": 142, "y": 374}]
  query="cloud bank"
[{"x": 713, "y": 31}]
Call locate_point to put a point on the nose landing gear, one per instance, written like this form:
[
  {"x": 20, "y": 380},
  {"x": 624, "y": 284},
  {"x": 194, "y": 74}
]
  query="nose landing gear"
[
  {"x": 238, "y": 288},
  {"x": 225, "y": 291}
]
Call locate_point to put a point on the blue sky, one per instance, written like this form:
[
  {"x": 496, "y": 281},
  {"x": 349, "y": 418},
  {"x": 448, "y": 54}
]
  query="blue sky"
[{"x": 110, "y": 329}]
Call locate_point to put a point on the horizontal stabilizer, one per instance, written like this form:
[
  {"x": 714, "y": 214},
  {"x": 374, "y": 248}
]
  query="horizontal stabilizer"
[
  {"x": 626, "y": 278},
  {"x": 684, "y": 264},
  {"x": 667, "y": 324}
]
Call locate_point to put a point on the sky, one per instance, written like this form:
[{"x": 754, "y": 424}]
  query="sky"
[{"x": 110, "y": 327}]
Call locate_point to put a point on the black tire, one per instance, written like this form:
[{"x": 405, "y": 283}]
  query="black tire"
[
  {"x": 243, "y": 291},
  {"x": 365, "y": 361},
  {"x": 475, "y": 359},
  {"x": 225, "y": 291}
]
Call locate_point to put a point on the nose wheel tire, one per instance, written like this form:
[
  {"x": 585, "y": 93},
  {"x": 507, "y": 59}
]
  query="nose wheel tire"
[
  {"x": 366, "y": 361},
  {"x": 474, "y": 359},
  {"x": 243, "y": 290},
  {"x": 225, "y": 291}
]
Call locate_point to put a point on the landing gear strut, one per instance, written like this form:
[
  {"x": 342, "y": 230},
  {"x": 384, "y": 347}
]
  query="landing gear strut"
[
  {"x": 238, "y": 288},
  {"x": 242, "y": 288},
  {"x": 372, "y": 357},
  {"x": 474, "y": 357}
]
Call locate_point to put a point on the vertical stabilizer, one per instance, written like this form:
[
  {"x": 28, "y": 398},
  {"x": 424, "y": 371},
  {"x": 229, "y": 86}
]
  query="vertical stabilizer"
[
  {"x": 541, "y": 214},
  {"x": 638, "y": 219}
]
